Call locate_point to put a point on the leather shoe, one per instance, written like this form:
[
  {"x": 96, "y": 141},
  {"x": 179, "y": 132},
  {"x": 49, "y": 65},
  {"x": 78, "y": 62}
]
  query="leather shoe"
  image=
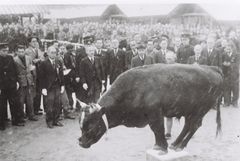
[
  {"x": 38, "y": 113},
  {"x": 18, "y": 124},
  {"x": 33, "y": 119},
  {"x": 68, "y": 116},
  {"x": 2, "y": 128},
  {"x": 58, "y": 124},
  {"x": 49, "y": 125}
]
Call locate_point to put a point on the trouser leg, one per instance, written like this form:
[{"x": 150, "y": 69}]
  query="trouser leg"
[
  {"x": 49, "y": 105},
  {"x": 235, "y": 92},
  {"x": 29, "y": 102},
  {"x": 3, "y": 107},
  {"x": 56, "y": 105}
]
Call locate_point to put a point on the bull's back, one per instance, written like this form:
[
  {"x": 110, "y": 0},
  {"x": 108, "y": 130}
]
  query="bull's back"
[{"x": 171, "y": 87}]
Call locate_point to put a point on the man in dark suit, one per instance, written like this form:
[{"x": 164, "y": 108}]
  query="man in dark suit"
[
  {"x": 212, "y": 54},
  {"x": 103, "y": 55},
  {"x": 141, "y": 59},
  {"x": 131, "y": 53},
  {"x": 185, "y": 50},
  {"x": 159, "y": 57},
  {"x": 52, "y": 83},
  {"x": 198, "y": 58},
  {"x": 70, "y": 79},
  {"x": 116, "y": 61},
  {"x": 26, "y": 82},
  {"x": 92, "y": 75},
  {"x": 231, "y": 76},
  {"x": 8, "y": 88}
]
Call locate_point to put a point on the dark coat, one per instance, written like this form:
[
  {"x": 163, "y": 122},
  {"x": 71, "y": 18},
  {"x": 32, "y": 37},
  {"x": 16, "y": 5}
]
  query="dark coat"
[
  {"x": 70, "y": 63},
  {"x": 136, "y": 61},
  {"x": 92, "y": 73},
  {"x": 49, "y": 75},
  {"x": 214, "y": 58},
  {"x": 104, "y": 58},
  {"x": 116, "y": 64},
  {"x": 129, "y": 55},
  {"x": 159, "y": 57},
  {"x": 8, "y": 72},
  {"x": 231, "y": 72},
  {"x": 24, "y": 72},
  {"x": 201, "y": 60},
  {"x": 184, "y": 52}
]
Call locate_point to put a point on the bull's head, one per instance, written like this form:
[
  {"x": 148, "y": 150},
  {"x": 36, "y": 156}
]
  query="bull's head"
[{"x": 92, "y": 124}]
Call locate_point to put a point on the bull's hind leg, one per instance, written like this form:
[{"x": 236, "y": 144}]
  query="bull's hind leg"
[
  {"x": 182, "y": 134},
  {"x": 194, "y": 126},
  {"x": 157, "y": 126}
]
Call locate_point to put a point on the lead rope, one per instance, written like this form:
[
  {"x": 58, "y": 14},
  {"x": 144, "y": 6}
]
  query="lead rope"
[{"x": 104, "y": 117}]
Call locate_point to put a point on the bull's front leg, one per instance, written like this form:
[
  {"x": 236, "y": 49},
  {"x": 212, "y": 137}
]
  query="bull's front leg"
[{"x": 157, "y": 126}]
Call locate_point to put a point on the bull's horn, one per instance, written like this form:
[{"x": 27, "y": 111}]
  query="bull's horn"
[
  {"x": 98, "y": 107},
  {"x": 82, "y": 104}
]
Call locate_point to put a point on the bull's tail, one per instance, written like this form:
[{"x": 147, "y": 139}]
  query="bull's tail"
[{"x": 218, "y": 118}]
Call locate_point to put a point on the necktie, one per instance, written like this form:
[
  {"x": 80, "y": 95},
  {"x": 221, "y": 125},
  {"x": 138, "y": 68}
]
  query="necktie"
[
  {"x": 92, "y": 60},
  {"x": 53, "y": 64},
  {"x": 115, "y": 52}
]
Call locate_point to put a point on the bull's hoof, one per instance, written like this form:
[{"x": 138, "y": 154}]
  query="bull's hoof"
[
  {"x": 161, "y": 152},
  {"x": 160, "y": 149},
  {"x": 156, "y": 147},
  {"x": 175, "y": 148}
]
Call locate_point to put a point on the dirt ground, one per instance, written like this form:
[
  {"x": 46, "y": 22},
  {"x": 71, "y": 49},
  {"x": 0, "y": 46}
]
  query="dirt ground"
[{"x": 36, "y": 142}]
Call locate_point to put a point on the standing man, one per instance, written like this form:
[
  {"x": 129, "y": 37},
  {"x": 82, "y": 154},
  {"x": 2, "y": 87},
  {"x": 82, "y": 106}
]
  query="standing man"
[
  {"x": 70, "y": 79},
  {"x": 185, "y": 50},
  {"x": 37, "y": 57},
  {"x": 150, "y": 47},
  {"x": 159, "y": 57},
  {"x": 102, "y": 54},
  {"x": 26, "y": 81},
  {"x": 52, "y": 83},
  {"x": 8, "y": 88},
  {"x": 213, "y": 55},
  {"x": 131, "y": 53},
  {"x": 198, "y": 58},
  {"x": 92, "y": 75},
  {"x": 116, "y": 61},
  {"x": 141, "y": 59},
  {"x": 231, "y": 76}
]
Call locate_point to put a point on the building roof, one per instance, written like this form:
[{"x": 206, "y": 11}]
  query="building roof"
[
  {"x": 22, "y": 9},
  {"x": 188, "y": 8},
  {"x": 75, "y": 11}
]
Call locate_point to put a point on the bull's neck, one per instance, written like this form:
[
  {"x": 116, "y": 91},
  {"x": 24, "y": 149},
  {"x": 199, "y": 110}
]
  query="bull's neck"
[{"x": 113, "y": 118}]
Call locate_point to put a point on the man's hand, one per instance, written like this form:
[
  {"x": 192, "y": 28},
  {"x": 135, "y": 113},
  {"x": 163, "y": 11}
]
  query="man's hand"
[
  {"x": 77, "y": 79},
  {"x": 85, "y": 86},
  {"x": 36, "y": 61},
  {"x": 17, "y": 85},
  {"x": 226, "y": 63},
  {"x": 62, "y": 89},
  {"x": 44, "y": 92}
]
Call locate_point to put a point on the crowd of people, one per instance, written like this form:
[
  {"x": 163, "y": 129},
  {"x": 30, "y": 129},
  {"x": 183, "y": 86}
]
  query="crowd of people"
[{"x": 33, "y": 69}]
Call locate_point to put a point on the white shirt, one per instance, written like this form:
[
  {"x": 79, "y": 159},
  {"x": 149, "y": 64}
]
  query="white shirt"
[
  {"x": 91, "y": 58},
  {"x": 52, "y": 61}
]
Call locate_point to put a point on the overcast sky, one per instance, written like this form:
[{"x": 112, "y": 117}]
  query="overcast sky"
[{"x": 219, "y": 9}]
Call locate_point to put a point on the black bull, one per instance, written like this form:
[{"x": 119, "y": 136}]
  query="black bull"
[{"x": 144, "y": 95}]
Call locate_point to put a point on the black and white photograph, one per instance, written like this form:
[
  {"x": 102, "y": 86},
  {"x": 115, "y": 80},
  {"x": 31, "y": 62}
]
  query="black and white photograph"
[{"x": 113, "y": 80}]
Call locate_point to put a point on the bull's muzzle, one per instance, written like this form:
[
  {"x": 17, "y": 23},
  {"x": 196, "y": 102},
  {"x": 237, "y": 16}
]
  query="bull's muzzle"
[{"x": 84, "y": 145}]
